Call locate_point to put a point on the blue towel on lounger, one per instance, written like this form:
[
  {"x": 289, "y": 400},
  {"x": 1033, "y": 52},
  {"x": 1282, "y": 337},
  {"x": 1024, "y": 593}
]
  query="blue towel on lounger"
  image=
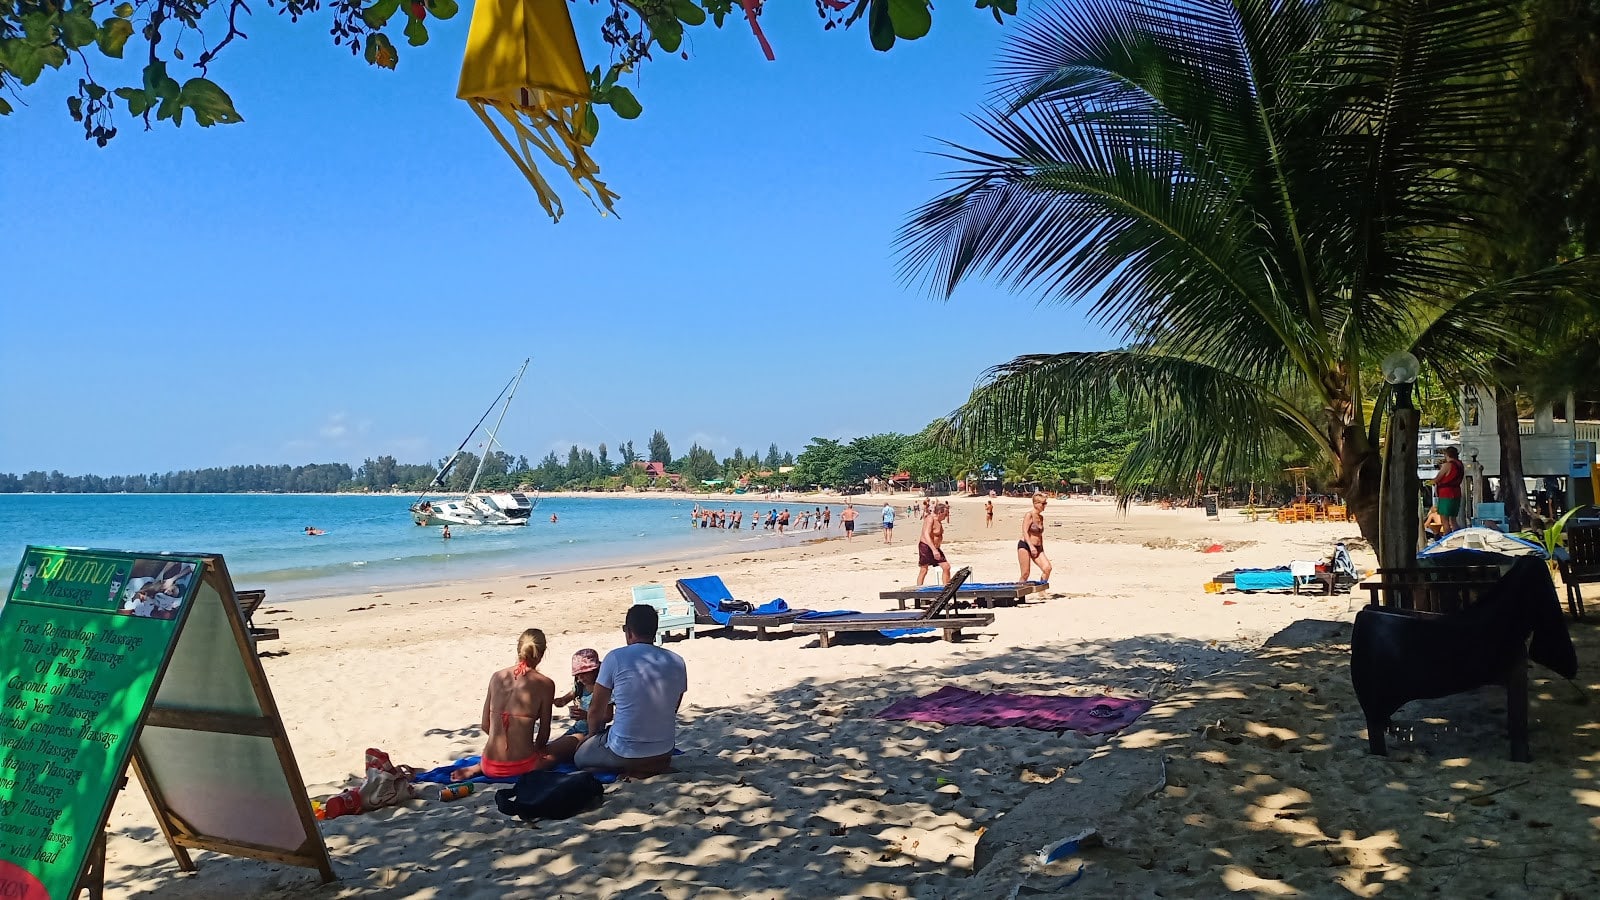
[
  {"x": 712, "y": 591},
  {"x": 769, "y": 608},
  {"x": 836, "y": 613}
]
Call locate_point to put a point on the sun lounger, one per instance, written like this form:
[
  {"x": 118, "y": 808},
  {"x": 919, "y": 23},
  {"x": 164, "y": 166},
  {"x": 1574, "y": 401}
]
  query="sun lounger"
[
  {"x": 249, "y": 602},
  {"x": 825, "y": 624},
  {"x": 706, "y": 595},
  {"x": 670, "y": 615},
  {"x": 987, "y": 596}
]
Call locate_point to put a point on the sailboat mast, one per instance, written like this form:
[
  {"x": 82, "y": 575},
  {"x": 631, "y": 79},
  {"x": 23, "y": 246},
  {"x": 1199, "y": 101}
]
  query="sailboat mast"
[{"x": 488, "y": 446}]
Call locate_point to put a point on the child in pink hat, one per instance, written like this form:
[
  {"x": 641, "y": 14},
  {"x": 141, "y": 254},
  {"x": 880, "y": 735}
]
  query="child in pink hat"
[{"x": 585, "y": 669}]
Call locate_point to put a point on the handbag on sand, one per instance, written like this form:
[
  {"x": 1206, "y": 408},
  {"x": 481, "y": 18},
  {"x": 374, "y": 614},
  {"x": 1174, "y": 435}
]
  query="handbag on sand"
[{"x": 549, "y": 795}]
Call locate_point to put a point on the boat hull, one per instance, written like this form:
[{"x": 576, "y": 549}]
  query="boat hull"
[{"x": 500, "y": 508}]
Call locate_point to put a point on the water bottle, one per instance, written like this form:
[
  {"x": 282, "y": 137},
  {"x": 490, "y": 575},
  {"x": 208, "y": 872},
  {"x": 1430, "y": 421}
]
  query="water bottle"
[
  {"x": 456, "y": 791},
  {"x": 346, "y": 802}
]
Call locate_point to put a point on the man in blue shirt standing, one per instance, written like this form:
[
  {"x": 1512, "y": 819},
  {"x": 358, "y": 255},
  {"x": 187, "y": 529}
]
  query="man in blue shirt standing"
[{"x": 888, "y": 522}]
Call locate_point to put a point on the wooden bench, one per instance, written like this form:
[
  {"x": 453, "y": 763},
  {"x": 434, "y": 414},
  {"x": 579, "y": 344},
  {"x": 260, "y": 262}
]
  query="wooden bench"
[
  {"x": 824, "y": 627},
  {"x": 1441, "y": 589}
]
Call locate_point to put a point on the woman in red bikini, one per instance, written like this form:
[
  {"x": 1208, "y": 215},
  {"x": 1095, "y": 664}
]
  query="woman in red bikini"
[
  {"x": 1030, "y": 549},
  {"x": 516, "y": 715}
]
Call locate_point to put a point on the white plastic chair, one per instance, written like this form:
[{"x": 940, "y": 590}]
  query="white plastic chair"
[{"x": 672, "y": 615}]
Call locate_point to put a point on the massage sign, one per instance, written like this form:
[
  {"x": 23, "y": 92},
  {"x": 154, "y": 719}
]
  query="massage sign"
[{"x": 89, "y": 641}]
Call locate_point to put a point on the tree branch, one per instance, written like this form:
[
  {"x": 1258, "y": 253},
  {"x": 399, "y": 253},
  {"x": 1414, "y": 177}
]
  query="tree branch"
[{"x": 233, "y": 32}]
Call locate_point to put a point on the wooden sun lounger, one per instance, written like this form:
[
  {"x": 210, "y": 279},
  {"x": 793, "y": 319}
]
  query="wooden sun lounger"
[
  {"x": 933, "y": 617},
  {"x": 985, "y": 596},
  {"x": 249, "y": 602},
  {"x": 704, "y": 619}
]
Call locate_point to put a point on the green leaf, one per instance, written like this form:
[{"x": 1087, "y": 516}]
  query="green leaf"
[
  {"x": 211, "y": 104},
  {"x": 879, "y": 26},
  {"x": 78, "y": 28},
  {"x": 624, "y": 104},
  {"x": 380, "y": 51},
  {"x": 591, "y": 126},
  {"x": 668, "y": 33},
  {"x": 442, "y": 9},
  {"x": 689, "y": 12},
  {"x": 23, "y": 59},
  {"x": 37, "y": 28},
  {"x": 416, "y": 32},
  {"x": 158, "y": 84},
  {"x": 377, "y": 15},
  {"x": 94, "y": 91},
  {"x": 5, "y": 108},
  {"x": 113, "y": 36},
  {"x": 911, "y": 18},
  {"x": 123, "y": 10},
  {"x": 138, "y": 100}
]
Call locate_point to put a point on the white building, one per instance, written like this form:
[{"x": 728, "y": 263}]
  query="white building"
[{"x": 1552, "y": 447}]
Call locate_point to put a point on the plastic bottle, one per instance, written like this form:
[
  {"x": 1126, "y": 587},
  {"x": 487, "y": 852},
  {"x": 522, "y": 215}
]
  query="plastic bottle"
[
  {"x": 456, "y": 791},
  {"x": 346, "y": 802}
]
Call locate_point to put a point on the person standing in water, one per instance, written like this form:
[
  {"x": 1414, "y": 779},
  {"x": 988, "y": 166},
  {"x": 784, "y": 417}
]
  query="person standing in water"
[
  {"x": 1030, "y": 549},
  {"x": 446, "y": 533}
]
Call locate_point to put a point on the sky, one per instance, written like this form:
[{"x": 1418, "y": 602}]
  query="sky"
[{"x": 357, "y": 268}]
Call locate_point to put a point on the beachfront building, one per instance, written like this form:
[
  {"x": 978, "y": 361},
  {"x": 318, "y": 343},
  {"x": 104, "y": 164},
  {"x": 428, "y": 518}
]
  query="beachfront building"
[{"x": 1558, "y": 447}]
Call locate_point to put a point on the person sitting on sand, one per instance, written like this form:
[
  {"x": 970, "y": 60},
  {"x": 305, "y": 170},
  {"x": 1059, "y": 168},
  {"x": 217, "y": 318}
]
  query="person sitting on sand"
[
  {"x": 633, "y": 717},
  {"x": 516, "y": 715},
  {"x": 585, "y": 669},
  {"x": 1030, "y": 549}
]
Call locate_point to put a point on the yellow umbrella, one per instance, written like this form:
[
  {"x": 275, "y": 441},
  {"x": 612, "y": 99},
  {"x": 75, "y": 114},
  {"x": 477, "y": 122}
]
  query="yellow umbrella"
[{"x": 522, "y": 62}]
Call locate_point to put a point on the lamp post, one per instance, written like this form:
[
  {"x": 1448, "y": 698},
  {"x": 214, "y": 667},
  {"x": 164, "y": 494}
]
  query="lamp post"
[{"x": 1397, "y": 492}]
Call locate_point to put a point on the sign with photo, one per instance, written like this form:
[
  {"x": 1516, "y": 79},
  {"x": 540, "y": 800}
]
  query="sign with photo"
[{"x": 83, "y": 634}]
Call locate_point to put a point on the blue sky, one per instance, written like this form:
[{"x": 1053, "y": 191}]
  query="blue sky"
[{"x": 358, "y": 268}]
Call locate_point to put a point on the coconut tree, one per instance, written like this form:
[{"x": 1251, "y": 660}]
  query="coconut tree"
[{"x": 1262, "y": 198}]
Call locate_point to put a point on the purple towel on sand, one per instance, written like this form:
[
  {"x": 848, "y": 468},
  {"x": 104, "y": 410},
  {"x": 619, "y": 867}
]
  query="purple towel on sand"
[{"x": 955, "y": 706}]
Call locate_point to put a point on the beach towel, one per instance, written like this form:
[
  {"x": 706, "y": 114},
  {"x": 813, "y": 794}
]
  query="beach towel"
[
  {"x": 1278, "y": 579},
  {"x": 956, "y": 706},
  {"x": 441, "y": 775},
  {"x": 886, "y": 632}
]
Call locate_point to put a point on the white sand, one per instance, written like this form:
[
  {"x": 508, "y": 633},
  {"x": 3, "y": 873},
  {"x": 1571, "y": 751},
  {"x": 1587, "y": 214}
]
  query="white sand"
[{"x": 790, "y": 788}]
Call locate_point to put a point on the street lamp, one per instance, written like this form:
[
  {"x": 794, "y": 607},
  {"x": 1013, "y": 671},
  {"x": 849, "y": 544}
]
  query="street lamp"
[{"x": 1398, "y": 490}]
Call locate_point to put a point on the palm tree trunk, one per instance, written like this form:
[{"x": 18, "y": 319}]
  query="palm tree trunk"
[
  {"x": 1359, "y": 478},
  {"x": 1513, "y": 491}
]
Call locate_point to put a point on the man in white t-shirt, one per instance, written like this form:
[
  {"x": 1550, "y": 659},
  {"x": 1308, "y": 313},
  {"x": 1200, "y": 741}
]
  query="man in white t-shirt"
[{"x": 645, "y": 684}]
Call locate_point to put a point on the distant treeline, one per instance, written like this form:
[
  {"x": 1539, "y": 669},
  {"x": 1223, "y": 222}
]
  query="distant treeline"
[{"x": 230, "y": 480}]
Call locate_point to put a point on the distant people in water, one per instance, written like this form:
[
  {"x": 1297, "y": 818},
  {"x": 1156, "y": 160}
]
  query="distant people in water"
[
  {"x": 552, "y": 518},
  {"x": 446, "y": 534},
  {"x": 314, "y": 531}
]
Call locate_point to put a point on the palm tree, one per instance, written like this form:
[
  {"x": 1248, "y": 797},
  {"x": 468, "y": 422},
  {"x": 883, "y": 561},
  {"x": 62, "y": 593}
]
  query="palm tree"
[{"x": 1262, "y": 198}]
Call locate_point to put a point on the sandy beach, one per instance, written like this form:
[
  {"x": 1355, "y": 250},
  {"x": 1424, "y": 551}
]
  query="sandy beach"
[{"x": 1250, "y": 773}]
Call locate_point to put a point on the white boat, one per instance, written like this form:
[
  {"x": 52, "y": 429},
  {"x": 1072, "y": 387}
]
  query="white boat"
[{"x": 475, "y": 507}]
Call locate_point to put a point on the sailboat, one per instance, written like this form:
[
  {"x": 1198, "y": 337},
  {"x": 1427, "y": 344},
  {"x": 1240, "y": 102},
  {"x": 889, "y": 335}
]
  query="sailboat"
[{"x": 475, "y": 507}]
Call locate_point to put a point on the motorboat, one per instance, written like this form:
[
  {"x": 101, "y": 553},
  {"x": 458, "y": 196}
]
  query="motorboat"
[{"x": 478, "y": 507}]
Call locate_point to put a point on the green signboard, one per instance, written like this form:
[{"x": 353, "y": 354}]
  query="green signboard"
[{"x": 84, "y": 637}]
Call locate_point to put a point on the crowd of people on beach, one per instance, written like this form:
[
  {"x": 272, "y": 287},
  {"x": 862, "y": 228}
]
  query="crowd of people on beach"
[{"x": 782, "y": 521}]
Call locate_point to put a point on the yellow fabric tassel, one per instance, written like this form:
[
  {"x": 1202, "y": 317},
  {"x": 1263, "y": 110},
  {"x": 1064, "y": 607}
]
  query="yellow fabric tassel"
[{"x": 522, "y": 63}]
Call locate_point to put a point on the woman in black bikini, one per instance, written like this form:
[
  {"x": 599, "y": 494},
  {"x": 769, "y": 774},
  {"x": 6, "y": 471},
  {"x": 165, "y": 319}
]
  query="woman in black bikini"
[{"x": 1030, "y": 549}]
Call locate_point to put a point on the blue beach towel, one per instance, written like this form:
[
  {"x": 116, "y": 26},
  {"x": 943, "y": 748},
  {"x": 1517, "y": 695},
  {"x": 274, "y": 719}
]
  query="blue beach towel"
[
  {"x": 886, "y": 632},
  {"x": 1277, "y": 579},
  {"x": 441, "y": 775}
]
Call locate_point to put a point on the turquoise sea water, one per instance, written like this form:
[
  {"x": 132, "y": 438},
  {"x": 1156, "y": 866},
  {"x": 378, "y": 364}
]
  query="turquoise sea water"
[{"x": 371, "y": 543}]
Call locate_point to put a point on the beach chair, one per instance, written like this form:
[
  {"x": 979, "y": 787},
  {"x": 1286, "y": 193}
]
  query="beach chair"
[
  {"x": 249, "y": 602},
  {"x": 1581, "y": 565},
  {"x": 706, "y": 594},
  {"x": 825, "y": 624},
  {"x": 986, "y": 596},
  {"x": 670, "y": 615},
  {"x": 1489, "y": 515}
]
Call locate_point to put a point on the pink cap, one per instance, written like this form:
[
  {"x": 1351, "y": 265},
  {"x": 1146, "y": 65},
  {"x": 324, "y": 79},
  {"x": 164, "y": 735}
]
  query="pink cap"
[{"x": 585, "y": 661}]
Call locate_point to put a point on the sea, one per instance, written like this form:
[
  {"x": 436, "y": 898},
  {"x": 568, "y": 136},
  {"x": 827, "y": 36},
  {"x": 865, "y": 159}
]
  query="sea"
[{"x": 370, "y": 542}]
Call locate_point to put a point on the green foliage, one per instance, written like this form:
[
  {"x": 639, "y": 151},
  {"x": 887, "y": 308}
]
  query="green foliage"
[
  {"x": 830, "y": 464},
  {"x": 1552, "y": 537},
  {"x": 1263, "y": 199},
  {"x": 49, "y": 34}
]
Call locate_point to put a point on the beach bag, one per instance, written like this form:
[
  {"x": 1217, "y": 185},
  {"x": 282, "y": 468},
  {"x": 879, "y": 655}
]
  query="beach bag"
[
  {"x": 549, "y": 795},
  {"x": 729, "y": 605}
]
